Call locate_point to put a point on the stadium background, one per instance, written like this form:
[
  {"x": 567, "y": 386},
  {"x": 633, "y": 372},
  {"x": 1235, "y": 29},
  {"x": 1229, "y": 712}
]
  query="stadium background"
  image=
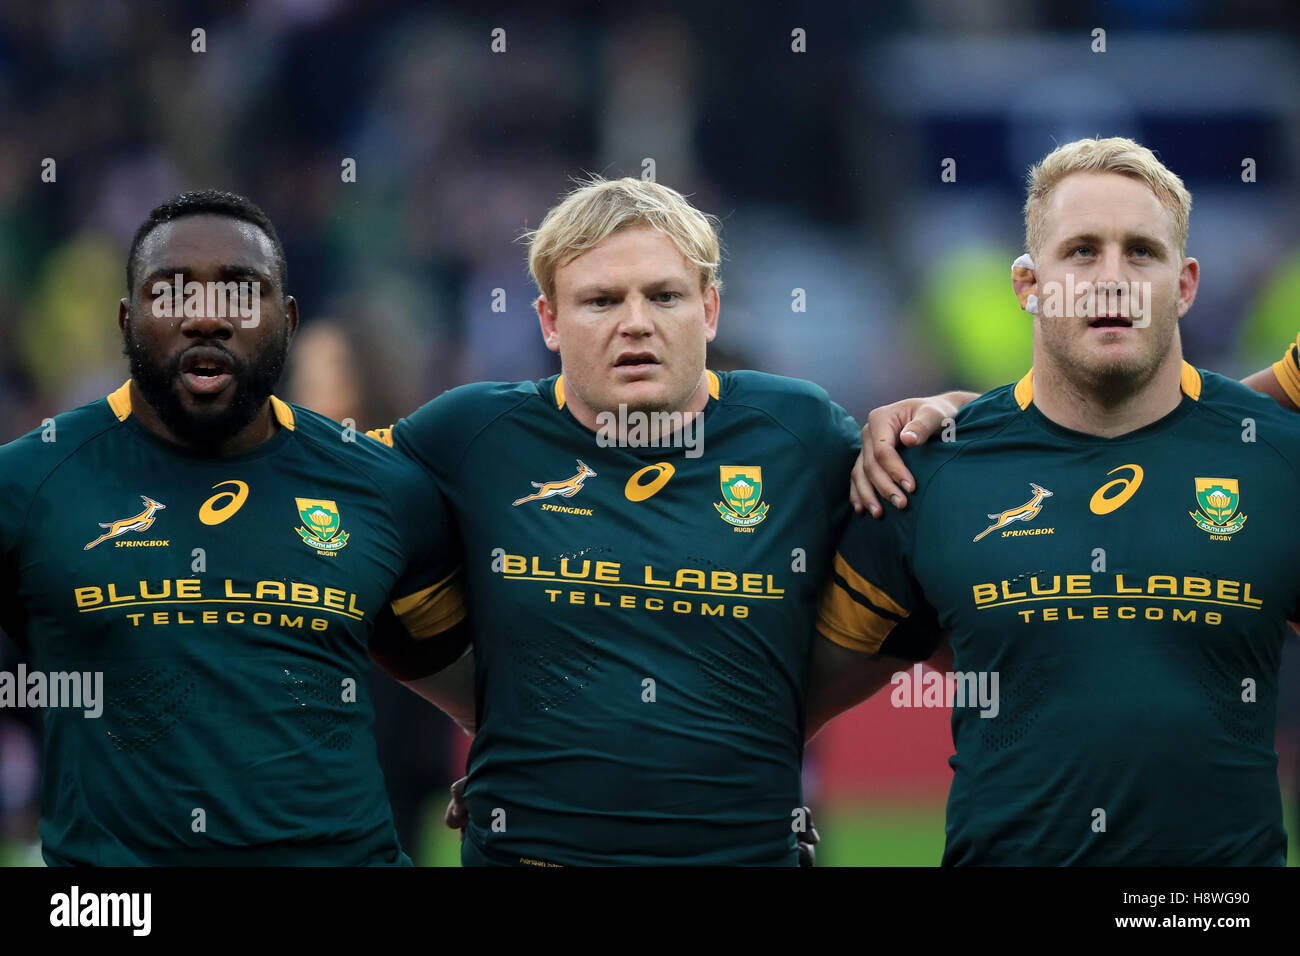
[{"x": 824, "y": 165}]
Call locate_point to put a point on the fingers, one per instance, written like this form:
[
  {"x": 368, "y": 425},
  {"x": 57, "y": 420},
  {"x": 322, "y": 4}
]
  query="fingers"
[
  {"x": 884, "y": 468},
  {"x": 457, "y": 817},
  {"x": 811, "y": 836},
  {"x": 861, "y": 494},
  {"x": 808, "y": 840},
  {"x": 927, "y": 420}
]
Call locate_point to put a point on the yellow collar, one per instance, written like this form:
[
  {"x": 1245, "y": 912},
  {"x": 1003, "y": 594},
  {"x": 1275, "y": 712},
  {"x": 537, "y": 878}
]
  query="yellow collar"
[
  {"x": 715, "y": 387},
  {"x": 120, "y": 402},
  {"x": 1190, "y": 382}
]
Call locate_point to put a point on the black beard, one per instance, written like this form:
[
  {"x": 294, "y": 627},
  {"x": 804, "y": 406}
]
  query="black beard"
[{"x": 253, "y": 383}]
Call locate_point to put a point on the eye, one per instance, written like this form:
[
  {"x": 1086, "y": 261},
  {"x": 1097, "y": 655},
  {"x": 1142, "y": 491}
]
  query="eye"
[
  {"x": 1084, "y": 249},
  {"x": 666, "y": 298},
  {"x": 1142, "y": 251},
  {"x": 599, "y": 301}
]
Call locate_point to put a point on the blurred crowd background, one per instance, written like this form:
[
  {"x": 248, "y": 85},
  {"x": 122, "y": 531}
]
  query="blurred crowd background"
[{"x": 824, "y": 167}]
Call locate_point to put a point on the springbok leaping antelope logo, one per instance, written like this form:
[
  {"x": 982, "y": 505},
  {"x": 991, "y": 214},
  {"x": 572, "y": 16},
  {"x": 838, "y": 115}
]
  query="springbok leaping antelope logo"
[
  {"x": 1026, "y": 512},
  {"x": 567, "y": 488},
  {"x": 140, "y": 522}
]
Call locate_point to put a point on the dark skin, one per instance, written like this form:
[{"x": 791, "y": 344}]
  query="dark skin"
[{"x": 207, "y": 248}]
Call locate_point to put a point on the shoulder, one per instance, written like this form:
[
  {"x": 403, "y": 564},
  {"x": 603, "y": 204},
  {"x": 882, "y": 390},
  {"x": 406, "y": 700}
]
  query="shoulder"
[
  {"x": 30, "y": 459},
  {"x": 1250, "y": 415},
  {"x": 393, "y": 475},
  {"x": 27, "y": 462},
  {"x": 448, "y": 425},
  {"x": 1228, "y": 397},
  {"x": 802, "y": 407},
  {"x": 774, "y": 393},
  {"x": 978, "y": 425},
  {"x": 991, "y": 412}
]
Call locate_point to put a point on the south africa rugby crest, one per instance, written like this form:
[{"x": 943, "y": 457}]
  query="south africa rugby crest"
[
  {"x": 742, "y": 503},
  {"x": 321, "y": 526},
  {"x": 1219, "y": 499}
]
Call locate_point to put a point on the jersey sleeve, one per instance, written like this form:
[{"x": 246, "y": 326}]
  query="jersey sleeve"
[
  {"x": 842, "y": 443},
  {"x": 872, "y": 603},
  {"x": 1287, "y": 371},
  {"x": 423, "y": 628}
]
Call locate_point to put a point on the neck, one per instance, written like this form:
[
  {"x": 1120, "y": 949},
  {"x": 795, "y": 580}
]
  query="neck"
[
  {"x": 588, "y": 415},
  {"x": 262, "y": 428},
  {"x": 1103, "y": 412}
]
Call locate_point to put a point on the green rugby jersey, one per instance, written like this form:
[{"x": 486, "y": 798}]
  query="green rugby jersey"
[
  {"x": 229, "y": 604},
  {"x": 1132, "y": 596},
  {"x": 642, "y": 619}
]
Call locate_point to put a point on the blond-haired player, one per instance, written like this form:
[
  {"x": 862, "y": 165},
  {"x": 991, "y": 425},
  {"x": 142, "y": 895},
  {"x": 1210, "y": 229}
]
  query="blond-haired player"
[
  {"x": 1130, "y": 626},
  {"x": 645, "y": 542}
]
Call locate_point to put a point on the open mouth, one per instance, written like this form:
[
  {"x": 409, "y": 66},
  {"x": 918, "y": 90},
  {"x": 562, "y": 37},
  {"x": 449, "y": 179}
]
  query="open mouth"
[
  {"x": 205, "y": 370},
  {"x": 1111, "y": 322},
  {"x": 636, "y": 361}
]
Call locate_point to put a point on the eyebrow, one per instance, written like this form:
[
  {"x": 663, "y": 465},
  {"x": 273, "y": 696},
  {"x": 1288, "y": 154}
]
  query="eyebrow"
[
  {"x": 597, "y": 289},
  {"x": 226, "y": 273},
  {"x": 1131, "y": 239}
]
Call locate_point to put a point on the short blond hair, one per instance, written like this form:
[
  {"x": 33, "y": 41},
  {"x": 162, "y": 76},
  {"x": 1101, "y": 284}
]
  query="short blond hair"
[
  {"x": 1115, "y": 154},
  {"x": 599, "y": 207}
]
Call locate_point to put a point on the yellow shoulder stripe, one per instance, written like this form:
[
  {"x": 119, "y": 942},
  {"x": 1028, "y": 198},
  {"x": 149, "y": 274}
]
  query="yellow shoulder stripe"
[
  {"x": 429, "y": 612},
  {"x": 850, "y": 624},
  {"x": 559, "y": 391},
  {"x": 864, "y": 587},
  {"x": 384, "y": 435},
  {"x": 120, "y": 401},
  {"x": 1287, "y": 373}
]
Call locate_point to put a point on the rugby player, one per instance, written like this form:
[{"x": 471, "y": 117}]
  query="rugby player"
[
  {"x": 1111, "y": 537},
  {"x": 225, "y": 561},
  {"x": 641, "y": 582}
]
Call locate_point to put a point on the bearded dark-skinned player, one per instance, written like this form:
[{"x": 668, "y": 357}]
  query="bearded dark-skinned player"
[{"x": 228, "y": 563}]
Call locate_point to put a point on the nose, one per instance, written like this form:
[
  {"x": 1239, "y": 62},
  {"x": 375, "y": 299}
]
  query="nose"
[
  {"x": 209, "y": 325},
  {"x": 636, "y": 317},
  {"x": 1110, "y": 266}
]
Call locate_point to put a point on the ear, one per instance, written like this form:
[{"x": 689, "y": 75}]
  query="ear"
[
  {"x": 550, "y": 327},
  {"x": 1024, "y": 282},
  {"x": 123, "y": 314},
  {"x": 1188, "y": 281},
  {"x": 712, "y": 306},
  {"x": 291, "y": 315}
]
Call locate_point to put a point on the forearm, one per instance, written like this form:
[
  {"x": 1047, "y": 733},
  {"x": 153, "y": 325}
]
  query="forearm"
[
  {"x": 841, "y": 679},
  {"x": 451, "y": 690},
  {"x": 1266, "y": 383}
]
